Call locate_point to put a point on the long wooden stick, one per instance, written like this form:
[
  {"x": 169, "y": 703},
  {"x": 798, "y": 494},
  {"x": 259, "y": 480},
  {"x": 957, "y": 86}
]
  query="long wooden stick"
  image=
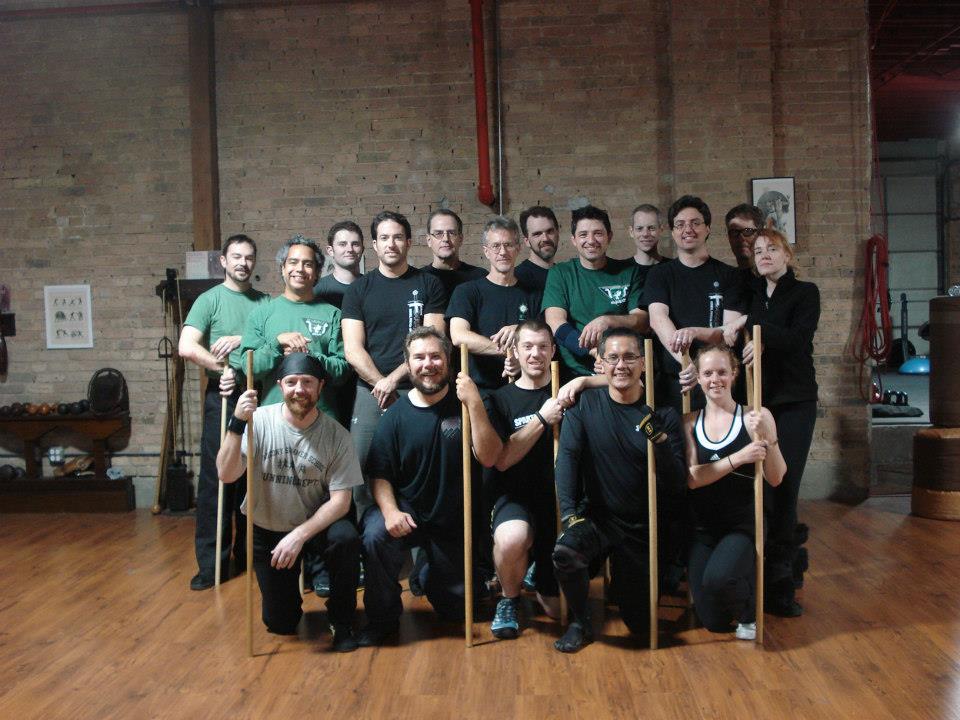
[
  {"x": 217, "y": 563},
  {"x": 510, "y": 378},
  {"x": 652, "y": 501},
  {"x": 749, "y": 371},
  {"x": 554, "y": 391},
  {"x": 685, "y": 401},
  {"x": 467, "y": 508},
  {"x": 250, "y": 513},
  {"x": 758, "y": 486}
]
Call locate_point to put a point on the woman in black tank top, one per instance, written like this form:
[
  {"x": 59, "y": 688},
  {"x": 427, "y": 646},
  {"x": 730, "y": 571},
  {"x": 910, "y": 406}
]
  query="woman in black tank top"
[{"x": 723, "y": 441}]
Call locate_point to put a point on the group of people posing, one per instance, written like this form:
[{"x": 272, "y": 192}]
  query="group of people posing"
[{"x": 357, "y": 432}]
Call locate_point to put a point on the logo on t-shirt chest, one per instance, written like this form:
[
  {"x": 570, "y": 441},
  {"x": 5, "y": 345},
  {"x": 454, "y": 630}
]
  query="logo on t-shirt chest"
[
  {"x": 522, "y": 421},
  {"x": 450, "y": 427},
  {"x": 315, "y": 328},
  {"x": 616, "y": 294}
]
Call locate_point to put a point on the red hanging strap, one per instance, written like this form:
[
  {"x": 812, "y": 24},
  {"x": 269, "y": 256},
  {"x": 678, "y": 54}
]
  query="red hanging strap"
[{"x": 874, "y": 340}]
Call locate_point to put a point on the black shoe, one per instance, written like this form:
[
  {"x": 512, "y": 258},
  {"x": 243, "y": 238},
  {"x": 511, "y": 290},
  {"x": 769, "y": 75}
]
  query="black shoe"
[
  {"x": 201, "y": 582},
  {"x": 576, "y": 637},
  {"x": 343, "y": 640},
  {"x": 783, "y": 607},
  {"x": 376, "y": 634}
]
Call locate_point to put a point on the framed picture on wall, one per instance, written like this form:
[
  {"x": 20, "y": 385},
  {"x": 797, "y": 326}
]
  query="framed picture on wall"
[
  {"x": 777, "y": 201},
  {"x": 69, "y": 316}
]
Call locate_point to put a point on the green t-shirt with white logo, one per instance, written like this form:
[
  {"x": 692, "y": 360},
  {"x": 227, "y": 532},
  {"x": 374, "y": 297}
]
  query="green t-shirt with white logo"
[
  {"x": 317, "y": 320},
  {"x": 588, "y": 294}
]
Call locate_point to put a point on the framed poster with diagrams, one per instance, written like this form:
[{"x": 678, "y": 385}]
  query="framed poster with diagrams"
[
  {"x": 776, "y": 198},
  {"x": 68, "y": 315}
]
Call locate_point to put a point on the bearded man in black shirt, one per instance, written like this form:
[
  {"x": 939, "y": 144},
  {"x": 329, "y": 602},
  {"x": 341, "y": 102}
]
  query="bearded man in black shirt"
[
  {"x": 415, "y": 466},
  {"x": 602, "y": 488}
]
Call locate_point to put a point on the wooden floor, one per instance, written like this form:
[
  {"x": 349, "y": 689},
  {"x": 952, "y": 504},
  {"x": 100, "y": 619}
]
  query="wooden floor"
[{"x": 96, "y": 621}]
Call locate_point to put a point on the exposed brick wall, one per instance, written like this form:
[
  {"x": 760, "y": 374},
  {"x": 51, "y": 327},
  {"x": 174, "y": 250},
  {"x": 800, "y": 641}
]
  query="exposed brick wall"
[{"x": 343, "y": 109}]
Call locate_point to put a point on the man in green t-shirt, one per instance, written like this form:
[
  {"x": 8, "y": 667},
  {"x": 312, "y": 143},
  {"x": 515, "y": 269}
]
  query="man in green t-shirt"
[
  {"x": 590, "y": 293},
  {"x": 210, "y": 332}
]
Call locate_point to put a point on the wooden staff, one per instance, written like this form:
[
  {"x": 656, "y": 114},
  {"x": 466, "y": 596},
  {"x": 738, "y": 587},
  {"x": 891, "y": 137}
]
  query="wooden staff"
[
  {"x": 554, "y": 391},
  {"x": 686, "y": 394},
  {"x": 223, "y": 432},
  {"x": 250, "y": 513},
  {"x": 758, "y": 487},
  {"x": 748, "y": 369},
  {"x": 652, "y": 499},
  {"x": 510, "y": 378},
  {"x": 467, "y": 460}
]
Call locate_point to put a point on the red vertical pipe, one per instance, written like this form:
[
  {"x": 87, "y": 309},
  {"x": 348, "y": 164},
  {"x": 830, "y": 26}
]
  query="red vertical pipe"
[{"x": 484, "y": 186}]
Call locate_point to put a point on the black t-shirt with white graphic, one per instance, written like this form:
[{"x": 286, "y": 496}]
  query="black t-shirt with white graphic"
[
  {"x": 390, "y": 308},
  {"x": 488, "y": 307}
]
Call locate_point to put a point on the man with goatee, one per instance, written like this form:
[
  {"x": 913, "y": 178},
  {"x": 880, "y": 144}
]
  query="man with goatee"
[{"x": 304, "y": 472}]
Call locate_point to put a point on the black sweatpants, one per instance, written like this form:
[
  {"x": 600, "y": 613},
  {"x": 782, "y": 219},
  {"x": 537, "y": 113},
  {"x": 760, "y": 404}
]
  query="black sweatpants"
[
  {"x": 795, "y": 423},
  {"x": 234, "y": 524},
  {"x": 339, "y": 545},
  {"x": 722, "y": 575}
]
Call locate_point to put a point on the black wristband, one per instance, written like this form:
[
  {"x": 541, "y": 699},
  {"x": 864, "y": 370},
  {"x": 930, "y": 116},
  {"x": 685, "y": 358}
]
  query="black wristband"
[
  {"x": 546, "y": 425},
  {"x": 236, "y": 425}
]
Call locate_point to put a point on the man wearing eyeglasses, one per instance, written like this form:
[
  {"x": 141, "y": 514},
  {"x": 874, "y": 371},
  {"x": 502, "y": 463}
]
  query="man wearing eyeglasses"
[
  {"x": 602, "y": 488},
  {"x": 743, "y": 223},
  {"x": 445, "y": 237},
  {"x": 590, "y": 293},
  {"x": 689, "y": 299},
  {"x": 379, "y": 310},
  {"x": 484, "y": 313}
]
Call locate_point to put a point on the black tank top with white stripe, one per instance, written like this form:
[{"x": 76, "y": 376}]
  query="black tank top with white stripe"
[{"x": 727, "y": 504}]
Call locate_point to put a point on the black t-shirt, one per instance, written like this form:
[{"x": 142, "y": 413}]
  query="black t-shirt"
[
  {"x": 644, "y": 270},
  {"x": 531, "y": 480},
  {"x": 601, "y": 466},
  {"x": 418, "y": 450},
  {"x": 727, "y": 504},
  {"x": 488, "y": 307},
  {"x": 330, "y": 290},
  {"x": 696, "y": 297},
  {"x": 451, "y": 279},
  {"x": 390, "y": 308},
  {"x": 532, "y": 275}
]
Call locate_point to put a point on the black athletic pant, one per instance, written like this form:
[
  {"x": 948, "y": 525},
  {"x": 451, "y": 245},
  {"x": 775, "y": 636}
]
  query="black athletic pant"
[
  {"x": 441, "y": 575},
  {"x": 722, "y": 574},
  {"x": 234, "y": 523},
  {"x": 579, "y": 555},
  {"x": 795, "y": 422},
  {"x": 339, "y": 545}
]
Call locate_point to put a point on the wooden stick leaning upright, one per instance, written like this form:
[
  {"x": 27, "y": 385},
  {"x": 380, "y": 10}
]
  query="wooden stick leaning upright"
[
  {"x": 250, "y": 513},
  {"x": 216, "y": 562},
  {"x": 748, "y": 370},
  {"x": 467, "y": 459},
  {"x": 652, "y": 499},
  {"x": 685, "y": 400},
  {"x": 758, "y": 485},
  {"x": 554, "y": 391}
]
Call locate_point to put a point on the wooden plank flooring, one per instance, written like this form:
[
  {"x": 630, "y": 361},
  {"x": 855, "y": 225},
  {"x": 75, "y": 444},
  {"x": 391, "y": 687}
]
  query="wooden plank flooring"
[{"x": 96, "y": 621}]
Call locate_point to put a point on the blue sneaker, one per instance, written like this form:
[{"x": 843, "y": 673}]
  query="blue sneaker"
[
  {"x": 528, "y": 584},
  {"x": 505, "y": 625}
]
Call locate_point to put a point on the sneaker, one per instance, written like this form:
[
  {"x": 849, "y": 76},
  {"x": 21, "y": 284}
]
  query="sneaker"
[
  {"x": 747, "y": 631},
  {"x": 201, "y": 582},
  {"x": 505, "y": 625},
  {"x": 376, "y": 634},
  {"x": 343, "y": 640},
  {"x": 321, "y": 585},
  {"x": 528, "y": 584}
]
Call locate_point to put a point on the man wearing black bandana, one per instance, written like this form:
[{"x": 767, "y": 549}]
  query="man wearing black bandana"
[{"x": 304, "y": 471}]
